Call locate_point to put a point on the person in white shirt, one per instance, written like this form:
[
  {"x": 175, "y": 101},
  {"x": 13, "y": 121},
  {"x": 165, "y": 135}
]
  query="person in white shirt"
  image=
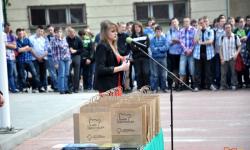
[{"x": 228, "y": 55}]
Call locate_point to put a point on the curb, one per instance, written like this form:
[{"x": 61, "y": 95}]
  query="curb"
[{"x": 32, "y": 131}]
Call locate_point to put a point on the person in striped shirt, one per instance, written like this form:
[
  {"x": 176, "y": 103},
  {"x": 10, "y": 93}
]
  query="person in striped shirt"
[
  {"x": 228, "y": 56},
  {"x": 186, "y": 39}
]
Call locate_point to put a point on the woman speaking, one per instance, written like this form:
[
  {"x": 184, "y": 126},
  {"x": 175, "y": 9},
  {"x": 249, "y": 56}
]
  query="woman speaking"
[{"x": 109, "y": 64}]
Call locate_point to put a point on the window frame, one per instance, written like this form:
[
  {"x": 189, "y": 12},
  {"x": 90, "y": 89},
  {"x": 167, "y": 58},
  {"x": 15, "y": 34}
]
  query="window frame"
[
  {"x": 170, "y": 9},
  {"x": 67, "y": 11}
]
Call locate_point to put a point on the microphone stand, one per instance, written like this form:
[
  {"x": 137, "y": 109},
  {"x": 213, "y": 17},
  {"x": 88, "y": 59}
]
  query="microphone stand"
[{"x": 172, "y": 76}]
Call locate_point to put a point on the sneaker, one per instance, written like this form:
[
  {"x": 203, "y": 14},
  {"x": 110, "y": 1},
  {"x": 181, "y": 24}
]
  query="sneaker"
[
  {"x": 85, "y": 90},
  {"x": 62, "y": 92},
  {"x": 42, "y": 90},
  {"x": 81, "y": 86},
  {"x": 89, "y": 88},
  {"x": 127, "y": 91},
  {"x": 75, "y": 91},
  {"x": 15, "y": 91},
  {"x": 196, "y": 89},
  {"x": 25, "y": 91},
  {"x": 33, "y": 90},
  {"x": 179, "y": 88},
  {"x": 166, "y": 91},
  {"x": 233, "y": 87},
  {"x": 56, "y": 90},
  {"x": 222, "y": 88},
  {"x": 212, "y": 88}
]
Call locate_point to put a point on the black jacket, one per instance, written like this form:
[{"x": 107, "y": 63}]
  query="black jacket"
[
  {"x": 76, "y": 44},
  {"x": 141, "y": 39},
  {"x": 88, "y": 50},
  {"x": 106, "y": 61},
  {"x": 123, "y": 47}
]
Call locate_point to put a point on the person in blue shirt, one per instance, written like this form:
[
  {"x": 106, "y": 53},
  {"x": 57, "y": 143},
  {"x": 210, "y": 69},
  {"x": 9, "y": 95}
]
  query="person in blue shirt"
[
  {"x": 40, "y": 62},
  {"x": 159, "y": 47},
  {"x": 24, "y": 61},
  {"x": 150, "y": 30},
  {"x": 50, "y": 64}
]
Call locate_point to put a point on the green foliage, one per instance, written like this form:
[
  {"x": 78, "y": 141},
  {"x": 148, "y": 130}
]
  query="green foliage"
[{"x": 7, "y": 2}]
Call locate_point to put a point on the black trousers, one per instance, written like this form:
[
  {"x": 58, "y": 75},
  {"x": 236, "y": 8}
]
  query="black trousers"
[
  {"x": 76, "y": 63},
  {"x": 41, "y": 70},
  {"x": 245, "y": 73},
  {"x": 85, "y": 70},
  {"x": 198, "y": 70},
  {"x": 142, "y": 68}
]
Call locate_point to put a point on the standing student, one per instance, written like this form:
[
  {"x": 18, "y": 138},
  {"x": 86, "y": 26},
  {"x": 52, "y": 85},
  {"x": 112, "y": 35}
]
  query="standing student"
[
  {"x": 228, "y": 56},
  {"x": 150, "y": 30},
  {"x": 109, "y": 64},
  {"x": 24, "y": 61},
  {"x": 124, "y": 50},
  {"x": 242, "y": 32},
  {"x": 10, "y": 56},
  {"x": 141, "y": 61},
  {"x": 62, "y": 59},
  {"x": 86, "y": 57},
  {"x": 203, "y": 54},
  {"x": 76, "y": 48},
  {"x": 186, "y": 39},
  {"x": 174, "y": 48},
  {"x": 40, "y": 61},
  {"x": 50, "y": 64},
  {"x": 194, "y": 23},
  {"x": 159, "y": 47},
  {"x": 247, "y": 21}
]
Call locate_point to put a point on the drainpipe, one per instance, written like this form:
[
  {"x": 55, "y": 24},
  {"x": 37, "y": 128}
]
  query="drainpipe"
[
  {"x": 4, "y": 11},
  {"x": 228, "y": 8}
]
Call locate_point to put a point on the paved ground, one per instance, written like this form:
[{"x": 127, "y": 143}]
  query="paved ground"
[
  {"x": 202, "y": 121},
  {"x": 27, "y": 110}
]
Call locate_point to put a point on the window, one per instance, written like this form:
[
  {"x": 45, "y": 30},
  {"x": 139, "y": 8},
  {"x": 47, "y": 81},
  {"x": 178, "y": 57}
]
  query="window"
[
  {"x": 57, "y": 15},
  {"x": 162, "y": 11}
]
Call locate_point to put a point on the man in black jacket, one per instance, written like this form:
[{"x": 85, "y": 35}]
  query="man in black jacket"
[
  {"x": 124, "y": 49},
  {"x": 76, "y": 48},
  {"x": 86, "y": 57}
]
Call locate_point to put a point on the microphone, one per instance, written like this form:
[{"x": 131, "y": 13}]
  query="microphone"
[{"x": 129, "y": 40}]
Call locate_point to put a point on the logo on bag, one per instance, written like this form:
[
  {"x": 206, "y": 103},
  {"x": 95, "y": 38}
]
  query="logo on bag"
[
  {"x": 95, "y": 137},
  {"x": 94, "y": 124},
  {"x": 89, "y": 137},
  {"x": 124, "y": 118},
  {"x": 119, "y": 130}
]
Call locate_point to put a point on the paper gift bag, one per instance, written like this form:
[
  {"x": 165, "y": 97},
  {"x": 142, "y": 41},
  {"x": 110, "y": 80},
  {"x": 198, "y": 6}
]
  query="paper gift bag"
[
  {"x": 92, "y": 127},
  {"x": 157, "y": 113},
  {"x": 127, "y": 125}
]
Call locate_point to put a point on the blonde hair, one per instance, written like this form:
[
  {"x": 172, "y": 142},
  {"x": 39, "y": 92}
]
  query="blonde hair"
[{"x": 105, "y": 26}]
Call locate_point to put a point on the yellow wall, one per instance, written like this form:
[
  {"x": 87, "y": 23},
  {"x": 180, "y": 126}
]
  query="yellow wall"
[{"x": 115, "y": 10}]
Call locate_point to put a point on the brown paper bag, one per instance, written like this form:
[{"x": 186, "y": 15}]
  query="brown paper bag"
[
  {"x": 127, "y": 125},
  {"x": 92, "y": 127},
  {"x": 158, "y": 113}
]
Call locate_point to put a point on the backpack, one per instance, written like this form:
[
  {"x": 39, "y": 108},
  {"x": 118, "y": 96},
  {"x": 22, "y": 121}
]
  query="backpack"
[
  {"x": 48, "y": 37},
  {"x": 235, "y": 38}
]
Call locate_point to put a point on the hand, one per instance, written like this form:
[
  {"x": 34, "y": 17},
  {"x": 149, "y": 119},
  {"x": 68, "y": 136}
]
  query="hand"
[
  {"x": 222, "y": 62},
  {"x": 199, "y": 42},
  {"x": 70, "y": 63},
  {"x": 56, "y": 66},
  {"x": 88, "y": 61},
  {"x": 40, "y": 59},
  {"x": 73, "y": 51},
  {"x": 155, "y": 48},
  {"x": 188, "y": 53},
  {"x": 243, "y": 39},
  {"x": 200, "y": 27},
  {"x": 134, "y": 45},
  {"x": 131, "y": 59},
  {"x": 145, "y": 42},
  {"x": 163, "y": 46},
  {"x": 2, "y": 101},
  {"x": 124, "y": 58},
  {"x": 235, "y": 57},
  {"x": 125, "y": 66}
]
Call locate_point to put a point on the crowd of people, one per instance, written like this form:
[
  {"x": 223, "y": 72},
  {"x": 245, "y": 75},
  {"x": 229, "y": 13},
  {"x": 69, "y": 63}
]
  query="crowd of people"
[{"x": 203, "y": 56}]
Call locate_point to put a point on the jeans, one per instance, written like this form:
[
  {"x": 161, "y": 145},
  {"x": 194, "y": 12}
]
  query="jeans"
[
  {"x": 91, "y": 73},
  {"x": 76, "y": 63},
  {"x": 183, "y": 63},
  {"x": 22, "y": 76},
  {"x": 52, "y": 72},
  {"x": 142, "y": 68},
  {"x": 216, "y": 69},
  {"x": 63, "y": 75},
  {"x": 158, "y": 71},
  {"x": 41, "y": 70},
  {"x": 85, "y": 69},
  {"x": 11, "y": 79},
  {"x": 17, "y": 83},
  {"x": 199, "y": 65},
  {"x": 224, "y": 69}
]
